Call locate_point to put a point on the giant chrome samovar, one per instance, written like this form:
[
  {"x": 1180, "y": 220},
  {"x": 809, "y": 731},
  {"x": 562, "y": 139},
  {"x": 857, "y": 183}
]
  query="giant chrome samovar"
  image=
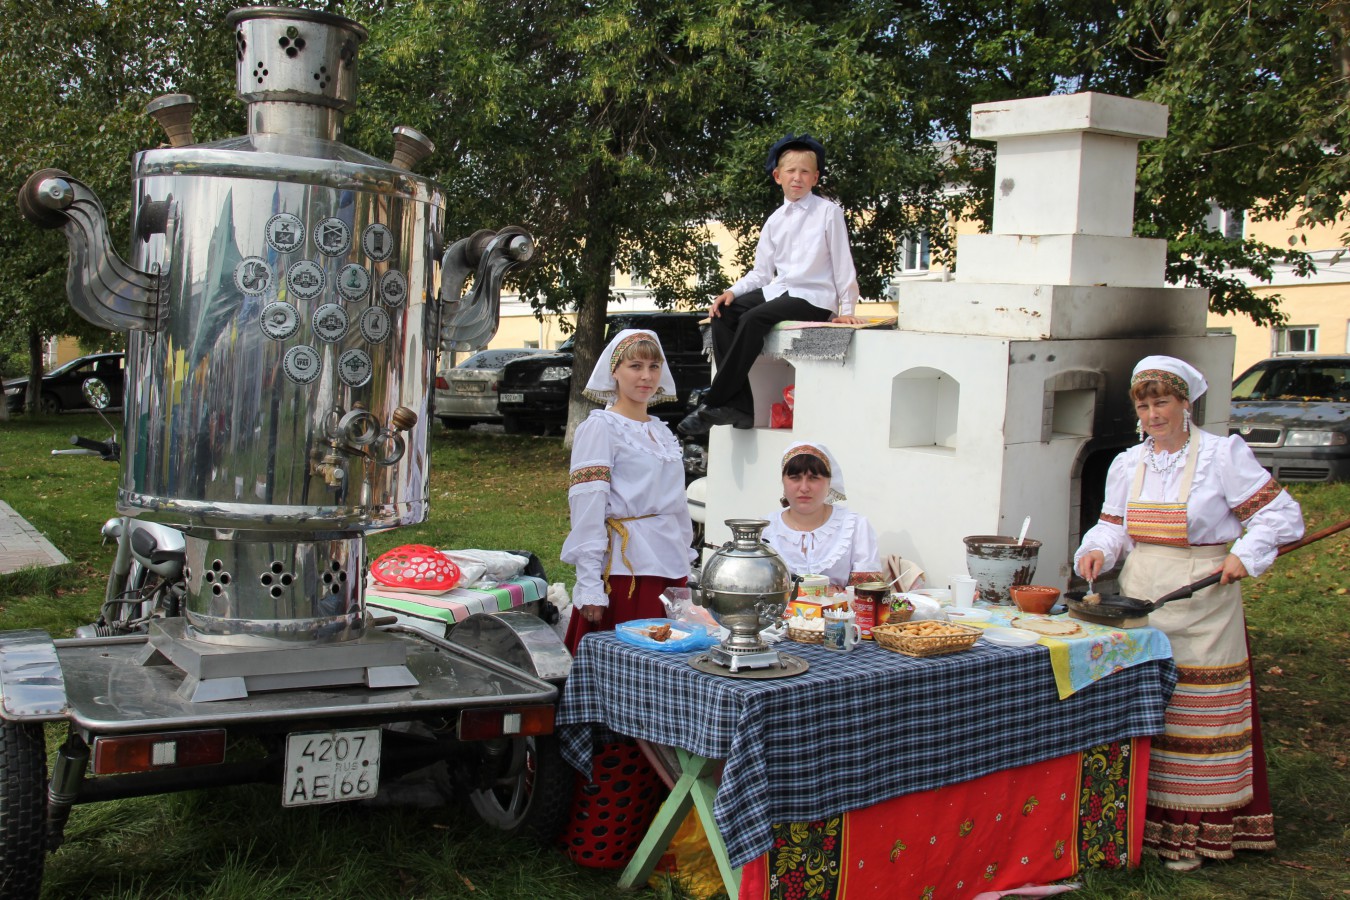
[{"x": 285, "y": 300}]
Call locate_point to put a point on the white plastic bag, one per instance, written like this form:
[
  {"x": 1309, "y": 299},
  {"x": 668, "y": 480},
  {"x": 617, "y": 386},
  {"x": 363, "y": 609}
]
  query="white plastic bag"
[
  {"x": 492, "y": 566},
  {"x": 558, "y": 596}
]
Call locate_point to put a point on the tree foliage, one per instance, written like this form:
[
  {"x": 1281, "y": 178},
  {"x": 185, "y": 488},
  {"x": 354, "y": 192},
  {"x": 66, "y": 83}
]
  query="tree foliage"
[
  {"x": 1257, "y": 99},
  {"x": 78, "y": 75},
  {"x": 615, "y": 130}
]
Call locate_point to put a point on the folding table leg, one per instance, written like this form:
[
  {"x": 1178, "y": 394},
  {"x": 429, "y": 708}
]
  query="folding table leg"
[{"x": 697, "y": 788}]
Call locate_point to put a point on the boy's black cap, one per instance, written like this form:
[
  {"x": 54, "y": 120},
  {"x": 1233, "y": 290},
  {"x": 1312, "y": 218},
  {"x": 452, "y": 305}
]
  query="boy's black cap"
[{"x": 790, "y": 141}]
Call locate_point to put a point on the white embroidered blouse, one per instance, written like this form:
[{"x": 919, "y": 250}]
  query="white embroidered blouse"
[
  {"x": 845, "y": 544},
  {"x": 803, "y": 249},
  {"x": 1230, "y": 494},
  {"x": 634, "y": 472}
]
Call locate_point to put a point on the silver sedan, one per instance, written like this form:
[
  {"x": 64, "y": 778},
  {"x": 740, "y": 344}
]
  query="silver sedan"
[{"x": 467, "y": 393}]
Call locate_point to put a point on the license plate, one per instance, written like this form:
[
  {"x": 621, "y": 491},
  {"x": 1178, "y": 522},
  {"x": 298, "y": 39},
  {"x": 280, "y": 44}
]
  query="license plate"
[
  {"x": 511, "y": 398},
  {"x": 469, "y": 387},
  {"x": 331, "y": 766}
]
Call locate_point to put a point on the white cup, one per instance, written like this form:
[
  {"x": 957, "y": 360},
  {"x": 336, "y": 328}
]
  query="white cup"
[
  {"x": 841, "y": 630},
  {"x": 963, "y": 591}
]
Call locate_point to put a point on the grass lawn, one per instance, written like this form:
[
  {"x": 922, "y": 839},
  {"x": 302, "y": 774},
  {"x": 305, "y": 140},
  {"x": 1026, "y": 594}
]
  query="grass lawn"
[{"x": 492, "y": 491}]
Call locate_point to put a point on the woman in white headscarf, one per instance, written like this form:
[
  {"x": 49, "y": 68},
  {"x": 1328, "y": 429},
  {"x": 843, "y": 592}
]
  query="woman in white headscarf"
[
  {"x": 631, "y": 532},
  {"x": 1174, "y": 505},
  {"x": 814, "y": 535}
]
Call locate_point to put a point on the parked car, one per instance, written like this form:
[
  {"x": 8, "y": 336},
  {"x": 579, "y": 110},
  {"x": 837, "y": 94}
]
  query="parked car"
[
  {"x": 467, "y": 393},
  {"x": 534, "y": 390},
  {"x": 61, "y": 386},
  {"x": 1294, "y": 412}
]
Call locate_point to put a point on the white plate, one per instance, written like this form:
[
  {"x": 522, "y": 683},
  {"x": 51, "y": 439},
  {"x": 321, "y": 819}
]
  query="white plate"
[
  {"x": 1010, "y": 637},
  {"x": 941, "y": 595},
  {"x": 967, "y": 614}
]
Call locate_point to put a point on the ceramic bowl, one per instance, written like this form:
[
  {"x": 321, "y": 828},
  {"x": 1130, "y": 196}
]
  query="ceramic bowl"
[{"x": 1034, "y": 598}]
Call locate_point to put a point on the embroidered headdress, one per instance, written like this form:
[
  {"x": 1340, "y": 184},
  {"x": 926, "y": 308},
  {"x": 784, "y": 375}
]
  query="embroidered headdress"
[
  {"x": 821, "y": 452},
  {"x": 1184, "y": 379},
  {"x": 601, "y": 386}
]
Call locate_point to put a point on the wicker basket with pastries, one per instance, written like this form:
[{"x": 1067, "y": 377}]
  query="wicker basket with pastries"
[{"x": 926, "y": 638}]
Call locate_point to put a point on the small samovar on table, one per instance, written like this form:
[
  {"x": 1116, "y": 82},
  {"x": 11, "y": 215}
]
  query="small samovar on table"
[{"x": 747, "y": 586}]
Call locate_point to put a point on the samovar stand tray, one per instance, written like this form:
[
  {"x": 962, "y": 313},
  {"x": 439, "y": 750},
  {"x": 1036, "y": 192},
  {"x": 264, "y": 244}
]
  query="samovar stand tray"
[{"x": 223, "y": 672}]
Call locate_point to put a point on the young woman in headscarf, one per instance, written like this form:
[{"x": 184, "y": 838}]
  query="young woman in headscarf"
[
  {"x": 630, "y": 540},
  {"x": 812, "y": 534},
  {"x": 1181, "y": 505},
  {"x": 631, "y": 532}
]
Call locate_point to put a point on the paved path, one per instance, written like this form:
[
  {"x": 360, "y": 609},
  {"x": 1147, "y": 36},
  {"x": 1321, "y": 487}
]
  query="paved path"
[{"x": 22, "y": 545}]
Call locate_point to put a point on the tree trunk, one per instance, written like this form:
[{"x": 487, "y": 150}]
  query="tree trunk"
[
  {"x": 34, "y": 394},
  {"x": 597, "y": 260}
]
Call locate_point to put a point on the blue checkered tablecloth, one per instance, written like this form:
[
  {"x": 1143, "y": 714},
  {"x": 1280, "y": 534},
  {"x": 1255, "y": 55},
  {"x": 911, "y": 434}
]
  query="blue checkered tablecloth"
[{"x": 855, "y": 729}]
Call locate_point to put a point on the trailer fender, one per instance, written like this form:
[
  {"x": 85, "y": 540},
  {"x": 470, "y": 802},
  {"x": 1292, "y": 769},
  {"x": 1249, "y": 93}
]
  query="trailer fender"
[
  {"x": 32, "y": 685},
  {"x": 516, "y": 638}
]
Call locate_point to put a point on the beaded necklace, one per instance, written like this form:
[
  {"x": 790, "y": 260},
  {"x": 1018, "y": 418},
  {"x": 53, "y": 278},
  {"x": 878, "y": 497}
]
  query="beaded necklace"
[{"x": 1164, "y": 468}]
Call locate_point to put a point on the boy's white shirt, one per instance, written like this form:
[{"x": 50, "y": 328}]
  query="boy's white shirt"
[{"x": 803, "y": 249}]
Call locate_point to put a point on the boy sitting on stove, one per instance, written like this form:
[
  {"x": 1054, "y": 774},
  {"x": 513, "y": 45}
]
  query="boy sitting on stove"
[{"x": 803, "y": 272}]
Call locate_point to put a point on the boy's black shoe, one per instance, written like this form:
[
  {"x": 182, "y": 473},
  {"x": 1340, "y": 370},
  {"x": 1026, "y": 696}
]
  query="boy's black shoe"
[{"x": 701, "y": 420}]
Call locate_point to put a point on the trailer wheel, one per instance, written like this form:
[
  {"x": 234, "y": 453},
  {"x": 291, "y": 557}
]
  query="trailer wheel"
[
  {"x": 534, "y": 800},
  {"x": 23, "y": 810}
]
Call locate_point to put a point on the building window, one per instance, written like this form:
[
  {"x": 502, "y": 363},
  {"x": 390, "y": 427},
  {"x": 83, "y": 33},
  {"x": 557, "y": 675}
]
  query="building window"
[
  {"x": 637, "y": 280},
  {"x": 1296, "y": 339},
  {"x": 912, "y": 254},
  {"x": 1227, "y": 222},
  {"x": 613, "y": 275},
  {"x": 533, "y": 345}
]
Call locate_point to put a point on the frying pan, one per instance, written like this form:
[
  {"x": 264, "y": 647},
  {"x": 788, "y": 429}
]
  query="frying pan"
[{"x": 1118, "y": 606}]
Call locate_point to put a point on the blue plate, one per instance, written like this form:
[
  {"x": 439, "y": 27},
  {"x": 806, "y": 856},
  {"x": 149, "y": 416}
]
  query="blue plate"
[{"x": 691, "y": 637}]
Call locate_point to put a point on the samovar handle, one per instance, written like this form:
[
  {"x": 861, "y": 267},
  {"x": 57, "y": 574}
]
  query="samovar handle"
[
  {"x": 468, "y": 322},
  {"x": 103, "y": 288}
]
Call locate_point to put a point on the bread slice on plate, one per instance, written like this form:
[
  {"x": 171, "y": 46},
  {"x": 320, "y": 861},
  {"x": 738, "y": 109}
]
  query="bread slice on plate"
[{"x": 1048, "y": 627}]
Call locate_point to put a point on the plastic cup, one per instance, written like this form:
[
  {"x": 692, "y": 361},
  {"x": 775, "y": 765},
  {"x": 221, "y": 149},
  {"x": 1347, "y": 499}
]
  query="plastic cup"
[{"x": 963, "y": 591}]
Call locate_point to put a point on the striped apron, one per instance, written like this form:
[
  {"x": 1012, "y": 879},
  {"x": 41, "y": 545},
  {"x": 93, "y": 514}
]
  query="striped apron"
[{"x": 1203, "y": 759}]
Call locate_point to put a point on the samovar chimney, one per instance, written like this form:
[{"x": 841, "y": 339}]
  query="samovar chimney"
[{"x": 296, "y": 69}]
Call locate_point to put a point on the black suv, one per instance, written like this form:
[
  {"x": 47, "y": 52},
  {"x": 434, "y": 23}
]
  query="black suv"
[{"x": 532, "y": 396}]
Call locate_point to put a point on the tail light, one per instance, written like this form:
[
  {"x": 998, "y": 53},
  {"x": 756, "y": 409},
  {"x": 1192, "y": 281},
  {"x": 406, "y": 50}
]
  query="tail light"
[
  {"x": 441, "y": 383},
  {"x": 483, "y": 724},
  {"x": 150, "y": 752}
]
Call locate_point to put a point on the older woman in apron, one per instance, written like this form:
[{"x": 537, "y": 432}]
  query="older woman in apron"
[{"x": 1175, "y": 503}]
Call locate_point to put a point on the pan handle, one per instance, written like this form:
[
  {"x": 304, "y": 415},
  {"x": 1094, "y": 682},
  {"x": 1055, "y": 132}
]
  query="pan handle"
[
  {"x": 1315, "y": 536},
  {"x": 1183, "y": 592}
]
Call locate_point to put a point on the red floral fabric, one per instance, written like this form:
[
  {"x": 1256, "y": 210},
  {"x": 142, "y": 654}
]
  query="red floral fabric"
[{"x": 1031, "y": 825}]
